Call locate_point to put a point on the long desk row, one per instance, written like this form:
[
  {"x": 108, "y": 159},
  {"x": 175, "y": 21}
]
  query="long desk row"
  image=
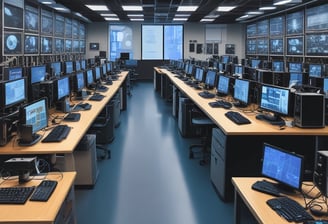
[
  {"x": 78, "y": 130},
  {"x": 236, "y": 149}
]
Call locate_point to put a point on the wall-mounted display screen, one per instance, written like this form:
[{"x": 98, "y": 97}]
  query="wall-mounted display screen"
[
  {"x": 76, "y": 46},
  {"x": 277, "y": 25},
  {"x": 68, "y": 45},
  {"x": 263, "y": 28},
  {"x": 75, "y": 29},
  {"x": 295, "y": 23},
  {"x": 31, "y": 19},
  {"x": 46, "y": 22},
  {"x": 82, "y": 46},
  {"x": 317, "y": 18},
  {"x": 295, "y": 46},
  {"x": 68, "y": 28},
  {"x": 277, "y": 46},
  {"x": 46, "y": 45},
  {"x": 13, "y": 16},
  {"x": 262, "y": 46},
  {"x": 251, "y": 46},
  {"x": 251, "y": 30},
  {"x": 82, "y": 31},
  {"x": 59, "y": 45},
  {"x": 31, "y": 44},
  {"x": 59, "y": 25},
  {"x": 317, "y": 44},
  {"x": 12, "y": 43}
]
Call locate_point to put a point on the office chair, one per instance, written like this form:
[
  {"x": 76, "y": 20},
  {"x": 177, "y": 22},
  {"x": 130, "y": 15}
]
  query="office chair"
[
  {"x": 102, "y": 127},
  {"x": 204, "y": 124}
]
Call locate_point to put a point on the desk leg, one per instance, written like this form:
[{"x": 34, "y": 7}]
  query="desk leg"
[
  {"x": 237, "y": 208},
  {"x": 69, "y": 162}
]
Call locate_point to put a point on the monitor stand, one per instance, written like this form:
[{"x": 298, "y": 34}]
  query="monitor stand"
[
  {"x": 239, "y": 104},
  {"x": 31, "y": 141},
  {"x": 274, "y": 119}
]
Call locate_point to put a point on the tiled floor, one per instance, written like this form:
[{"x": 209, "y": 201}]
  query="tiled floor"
[{"x": 150, "y": 179}]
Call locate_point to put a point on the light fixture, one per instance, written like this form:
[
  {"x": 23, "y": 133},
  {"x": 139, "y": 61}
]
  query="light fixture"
[
  {"x": 187, "y": 8},
  {"x": 137, "y": 19},
  {"x": 207, "y": 20},
  {"x": 255, "y": 13},
  {"x": 225, "y": 8},
  {"x": 265, "y": 8},
  {"x": 108, "y": 15},
  {"x": 47, "y": 2},
  {"x": 180, "y": 19},
  {"x": 132, "y": 8},
  {"x": 60, "y": 8},
  {"x": 281, "y": 2},
  {"x": 112, "y": 19},
  {"x": 97, "y": 7},
  {"x": 135, "y": 15},
  {"x": 182, "y": 15}
]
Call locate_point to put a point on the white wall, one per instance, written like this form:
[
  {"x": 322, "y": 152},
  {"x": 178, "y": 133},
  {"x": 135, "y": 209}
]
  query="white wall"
[{"x": 226, "y": 34}]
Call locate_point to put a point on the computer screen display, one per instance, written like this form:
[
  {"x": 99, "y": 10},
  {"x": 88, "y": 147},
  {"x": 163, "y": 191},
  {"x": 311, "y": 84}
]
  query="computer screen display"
[
  {"x": 97, "y": 73},
  {"x": 109, "y": 67},
  {"x": 223, "y": 85},
  {"x": 90, "y": 79},
  {"x": 315, "y": 70},
  {"x": 190, "y": 69},
  {"x": 63, "y": 88},
  {"x": 295, "y": 67},
  {"x": 13, "y": 73},
  {"x": 255, "y": 63},
  {"x": 13, "y": 92},
  {"x": 295, "y": 79},
  {"x": 238, "y": 69},
  {"x": 83, "y": 65},
  {"x": 103, "y": 69},
  {"x": 199, "y": 74},
  {"x": 241, "y": 91},
  {"x": 124, "y": 55},
  {"x": 80, "y": 81},
  {"x": 210, "y": 78},
  {"x": 77, "y": 66},
  {"x": 225, "y": 59},
  {"x": 282, "y": 166},
  {"x": 275, "y": 99},
  {"x": 35, "y": 114},
  {"x": 68, "y": 67},
  {"x": 278, "y": 66},
  {"x": 38, "y": 74},
  {"x": 325, "y": 87},
  {"x": 56, "y": 68}
]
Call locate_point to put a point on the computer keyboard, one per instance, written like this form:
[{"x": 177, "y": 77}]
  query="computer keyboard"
[
  {"x": 290, "y": 209},
  {"x": 72, "y": 117},
  {"x": 221, "y": 103},
  {"x": 15, "y": 195},
  {"x": 44, "y": 190},
  {"x": 237, "y": 118},
  {"x": 206, "y": 94},
  {"x": 96, "y": 97},
  {"x": 266, "y": 187},
  {"x": 82, "y": 106},
  {"x": 102, "y": 88},
  {"x": 57, "y": 134}
]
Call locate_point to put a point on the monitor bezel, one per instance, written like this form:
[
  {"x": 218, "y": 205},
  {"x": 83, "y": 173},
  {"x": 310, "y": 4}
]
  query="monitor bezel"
[
  {"x": 3, "y": 103},
  {"x": 243, "y": 101}
]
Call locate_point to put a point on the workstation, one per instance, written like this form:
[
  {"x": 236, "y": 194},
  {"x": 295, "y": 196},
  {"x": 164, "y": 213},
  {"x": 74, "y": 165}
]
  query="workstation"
[{"x": 268, "y": 69}]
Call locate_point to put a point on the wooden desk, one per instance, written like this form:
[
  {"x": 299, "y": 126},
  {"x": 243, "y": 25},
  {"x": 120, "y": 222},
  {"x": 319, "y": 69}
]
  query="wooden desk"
[
  {"x": 61, "y": 203},
  {"x": 255, "y": 202},
  {"x": 238, "y": 148},
  {"x": 78, "y": 130}
]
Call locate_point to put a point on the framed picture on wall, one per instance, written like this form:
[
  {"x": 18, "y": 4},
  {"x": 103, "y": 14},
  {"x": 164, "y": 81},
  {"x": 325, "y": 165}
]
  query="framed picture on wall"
[
  {"x": 216, "y": 48},
  {"x": 191, "y": 47},
  {"x": 209, "y": 48},
  {"x": 230, "y": 49},
  {"x": 199, "y": 48},
  {"x": 94, "y": 46}
]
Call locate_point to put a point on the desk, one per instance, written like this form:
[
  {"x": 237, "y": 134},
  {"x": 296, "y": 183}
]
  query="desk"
[
  {"x": 58, "y": 209},
  {"x": 239, "y": 147},
  {"x": 255, "y": 202},
  {"x": 78, "y": 130}
]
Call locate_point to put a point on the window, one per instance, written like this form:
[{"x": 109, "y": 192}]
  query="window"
[{"x": 121, "y": 39}]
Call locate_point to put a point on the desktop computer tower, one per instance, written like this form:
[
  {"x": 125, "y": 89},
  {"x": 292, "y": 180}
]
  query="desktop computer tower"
[
  {"x": 47, "y": 90},
  {"x": 184, "y": 118},
  {"x": 116, "y": 110},
  {"x": 321, "y": 171},
  {"x": 309, "y": 110},
  {"x": 175, "y": 101}
]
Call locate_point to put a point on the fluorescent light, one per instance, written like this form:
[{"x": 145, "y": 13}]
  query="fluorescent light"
[
  {"x": 282, "y": 2},
  {"x": 131, "y": 8},
  {"x": 255, "y": 13},
  {"x": 182, "y": 15},
  {"x": 111, "y": 18},
  {"x": 97, "y": 7},
  {"x": 225, "y": 8},
  {"x": 108, "y": 14},
  {"x": 180, "y": 19},
  {"x": 187, "y": 8},
  {"x": 207, "y": 20},
  {"x": 137, "y": 19},
  {"x": 47, "y": 2},
  {"x": 135, "y": 15},
  {"x": 264, "y": 8}
]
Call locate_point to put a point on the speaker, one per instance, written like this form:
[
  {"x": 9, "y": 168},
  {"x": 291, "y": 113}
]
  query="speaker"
[
  {"x": 309, "y": 110},
  {"x": 321, "y": 171}
]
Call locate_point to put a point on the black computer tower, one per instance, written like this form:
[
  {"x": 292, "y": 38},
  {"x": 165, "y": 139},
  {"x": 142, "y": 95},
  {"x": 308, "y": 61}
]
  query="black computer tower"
[
  {"x": 184, "y": 118},
  {"x": 175, "y": 101},
  {"x": 47, "y": 90},
  {"x": 321, "y": 171}
]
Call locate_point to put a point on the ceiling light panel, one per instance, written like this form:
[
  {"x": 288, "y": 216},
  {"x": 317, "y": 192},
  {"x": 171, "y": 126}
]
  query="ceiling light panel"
[
  {"x": 132, "y": 8},
  {"x": 225, "y": 8},
  {"x": 187, "y": 8},
  {"x": 97, "y": 7}
]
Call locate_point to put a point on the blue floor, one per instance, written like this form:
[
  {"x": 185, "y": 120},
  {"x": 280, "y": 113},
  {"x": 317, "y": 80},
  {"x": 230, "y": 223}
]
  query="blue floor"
[{"x": 149, "y": 178}]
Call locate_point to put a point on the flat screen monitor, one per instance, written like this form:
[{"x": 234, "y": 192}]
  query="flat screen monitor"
[
  {"x": 63, "y": 89},
  {"x": 34, "y": 114},
  {"x": 46, "y": 45},
  {"x": 104, "y": 69},
  {"x": 68, "y": 67},
  {"x": 210, "y": 78},
  {"x": 225, "y": 59},
  {"x": 325, "y": 87},
  {"x": 278, "y": 66},
  {"x": 13, "y": 92},
  {"x": 274, "y": 99},
  {"x": 295, "y": 67},
  {"x": 295, "y": 79},
  {"x": 77, "y": 65},
  {"x": 12, "y": 43},
  {"x": 38, "y": 74},
  {"x": 283, "y": 166},
  {"x": 78, "y": 81},
  {"x": 109, "y": 67},
  {"x": 90, "y": 79},
  {"x": 13, "y": 16},
  {"x": 255, "y": 63},
  {"x": 31, "y": 44},
  {"x": 124, "y": 55},
  {"x": 12, "y": 73},
  {"x": 223, "y": 85},
  {"x": 190, "y": 69},
  {"x": 241, "y": 92},
  {"x": 83, "y": 64},
  {"x": 315, "y": 70},
  {"x": 199, "y": 74},
  {"x": 56, "y": 68},
  {"x": 97, "y": 73},
  {"x": 238, "y": 70}
]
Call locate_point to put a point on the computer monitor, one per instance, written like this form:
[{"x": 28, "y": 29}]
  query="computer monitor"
[
  {"x": 225, "y": 59},
  {"x": 77, "y": 66},
  {"x": 68, "y": 67},
  {"x": 190, "y": 70},
  {"x": 295, "y": 79},
  {"x": 315, "y": 70},
  {"x": 325, "y": 87},
  {"x": 241, "y": 92},
  {"x": 37, "y": 74},
  {"x": 274, "y": 99},
  {"x": 238, "y": 70},
  {"x": 104, "y": 70},
  {"x": 78, "y": 81},
  {"x": 278, "y": 66},
  {"x": 97, "y": 74},
  {"x": 12, "y": 73},
  {"x": 256, "y": 63},
  {"x": 199, "y": 74},
  {"x": 83, "y": 64},
  {"x": 89, "y": 78},
  {"x": 210, "y": 78},
  {"x": 295, "y": 67},
  {"x": 62, "y": 88},
  {"x": 283, "y": 166},
  {"x": 109, "y": 67},
  {"x": 33, "y": 118},
  {"x": 13, "y": 92},
  {"x": 223, "y": 85},
  {"x": 124, "y": 55},
  {"x": 56, "y": 68}
]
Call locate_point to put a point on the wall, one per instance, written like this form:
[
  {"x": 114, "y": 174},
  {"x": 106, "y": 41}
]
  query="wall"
[{"x": 97, "y": 33}]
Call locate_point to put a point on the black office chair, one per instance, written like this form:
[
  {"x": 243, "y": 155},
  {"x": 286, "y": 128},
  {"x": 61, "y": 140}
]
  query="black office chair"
[
  {"x": 200, "y": 121},
  {"x": 103, "y": 129}
]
